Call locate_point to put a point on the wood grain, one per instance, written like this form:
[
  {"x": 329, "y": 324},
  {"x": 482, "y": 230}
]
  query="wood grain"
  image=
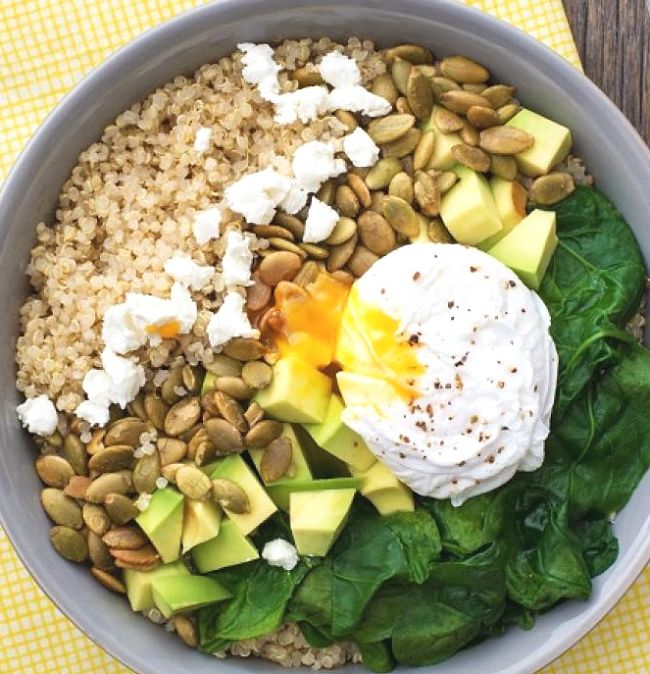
[{"x": 613, "y": 38}]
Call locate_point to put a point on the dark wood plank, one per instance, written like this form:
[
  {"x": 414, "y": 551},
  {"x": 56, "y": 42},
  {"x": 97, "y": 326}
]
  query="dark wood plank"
[{"x": 613, "y": 38}]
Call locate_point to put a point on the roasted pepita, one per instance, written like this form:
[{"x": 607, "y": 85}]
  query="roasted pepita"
[
  {"x": 400, "y": 71},
  {"x": 401, "y": 216},
  {"x": 402, "y": 146},
  {"x": 387, "y": 129},
  {"x": 419, "y": 94},
  {"x": 95, "y": 518},
  {"x": 256, "y": 374},
  {"x": 224, "y": 436},
  {"x": 127, "y": 431},
  {"x": 360, "y": 189},
  {"x": 447, "y": 121},
  {"x": 382, "y": 173},
  {"x": 473, "y": 157},
  {"x": 384, "y": 86},
  {"x": 344, "y": 229},
  {"x": 147, "y": 470},
  {"x": 276, "y": 459},
  {"x": 105, "y": 484},
  {"x": 244, "y": 349},
  {"x": 54, "y": 470},
  {"x": 111, "y": 459},
  {"x": 75, "y": 454},
  {"x": 461, "y": 101},
  {"x": 375, "y": 233},
  {"x": 505, "y": 140},
  {"x": 120, "y": 508},
  {"x": 426, "y": 194},
  {"x": 263, "y": 433},
  {"x": 424, "y": 150},
  {"x": 61, "y": 509},
  {"x": 230, "y": 496},
  {"x": 362, "y": 259},
  {"x": 182, "y": 416},
  {"x": 551, "y": 189},
  {"x": 193, "y": 482},
  {"x": 401, "y": 186},
  {"x": 69, "y": 543}
]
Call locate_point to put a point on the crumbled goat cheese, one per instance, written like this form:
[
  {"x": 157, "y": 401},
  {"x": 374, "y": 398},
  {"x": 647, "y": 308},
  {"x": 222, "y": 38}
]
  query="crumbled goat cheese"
[
  {"x": 260, "y": 68},
  {"x": 202, "y": 139},
  {"x": 359, "y": 99},
  {"x": 38, "y": 415},
  {"x": 360, "y": 148},
  {"x": 280, "y": 553},
  {"x": 314, "y": 163},
  {"x": 94, "y": 413},
  {"x": 320, "y": 222},
  {"x": 339, "y": 70},
  {"x": 306, "y": 104},
  {"x": 230, "y": 321},
  {"x": 237, "y": 260},
  {"x": 161, "y": 482},
  {"x": 257, "y": 195},
  {"x": 295, "y": 200},
  {"x": 145, "y": 318},
  {"x": 188, "y": 273},
  {"x": 207, "y": 225}
]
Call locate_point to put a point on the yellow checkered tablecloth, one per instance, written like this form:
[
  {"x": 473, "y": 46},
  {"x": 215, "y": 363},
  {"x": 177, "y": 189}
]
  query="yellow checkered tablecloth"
[{"x": 46, "y": 46}]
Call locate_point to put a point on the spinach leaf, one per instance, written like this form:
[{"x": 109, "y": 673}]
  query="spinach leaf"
[
  {"x": 599, "y": 546},
  {"x": 592, "y": 287},
  {"x": 312, "y": 601},
  {"x": 377, "y": 657}
]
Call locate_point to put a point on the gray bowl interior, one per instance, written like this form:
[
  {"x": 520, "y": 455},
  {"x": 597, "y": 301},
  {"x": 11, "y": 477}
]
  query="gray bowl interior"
[{"x": 613, "y": 152}]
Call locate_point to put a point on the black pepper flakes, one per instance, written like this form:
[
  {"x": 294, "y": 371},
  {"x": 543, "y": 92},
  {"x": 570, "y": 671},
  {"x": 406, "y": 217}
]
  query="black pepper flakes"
[
  {"x": 450, "y": 304},
  {"x": 416, "y": 276},
  {"x": 413, "y": 340}
]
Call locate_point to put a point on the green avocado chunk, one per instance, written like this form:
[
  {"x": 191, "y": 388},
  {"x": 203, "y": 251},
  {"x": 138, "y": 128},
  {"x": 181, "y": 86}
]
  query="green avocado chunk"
[
  {"x": 229, "y": 548},
  {"x": 281, "y": 492},
  {"x": 162, "y": 521},
  {"x": 384, "y": 490},
  {"x": 202, "y": 522},
  {"x": 138, "y": 583},
  {"x": 180, "y": 594},
  {"x": 299, "y": 469}
]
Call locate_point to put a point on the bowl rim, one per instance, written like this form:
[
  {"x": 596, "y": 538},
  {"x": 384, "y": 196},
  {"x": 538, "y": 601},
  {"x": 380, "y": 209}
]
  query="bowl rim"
[{"x": 636, "y": 560}]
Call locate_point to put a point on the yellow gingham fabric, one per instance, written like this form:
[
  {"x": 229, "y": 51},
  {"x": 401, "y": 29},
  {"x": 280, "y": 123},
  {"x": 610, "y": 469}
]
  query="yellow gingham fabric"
[{"x": 46, "y": 46}]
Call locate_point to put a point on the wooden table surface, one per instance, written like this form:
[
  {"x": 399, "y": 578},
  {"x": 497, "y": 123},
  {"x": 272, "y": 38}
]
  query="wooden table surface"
[{"x": 613, "y": 38}]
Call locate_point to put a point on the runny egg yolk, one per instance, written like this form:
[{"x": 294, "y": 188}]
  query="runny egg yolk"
[
  {"x": 310, "y": 318},
  {"x": 166, "y": 330},
  {"x": 370, "y": 344}
]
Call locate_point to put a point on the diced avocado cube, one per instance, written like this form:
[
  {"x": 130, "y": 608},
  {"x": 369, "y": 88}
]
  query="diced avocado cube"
[
  {"x": 180, "y": 594},
  {"x": 202, "y": 522},
  {"x": 138, "y": 583},
  {"x": 551, "y": 146},
  {"x": 299, "y": 393},
  {"x": 281, "y": 492},
  {"x": 337, "y": 439},
  {"x": 322, "y": 463},
  {"x": 317, "y": 518},
  {"x": 299, "y": 469},
  {"x": 528, "y": 248},
  {"x": 229, "y": 548},
  {"x": 384, "y": 490},
  {"x": 235, "y": 469},
  {"x": 162, "y": 521},
  {"x": 209, "y": 382},
  {"x": 468, "y": 209},
  {"x": 510, "y": 198},
  {"x": 441, "y": 158}
]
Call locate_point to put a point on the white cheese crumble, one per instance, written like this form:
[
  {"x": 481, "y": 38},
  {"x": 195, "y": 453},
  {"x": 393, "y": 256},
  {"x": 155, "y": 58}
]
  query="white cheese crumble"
[
  {"x": 257, "y": 195},
  {"x": 360, "y": 148},
  {"x": 306, "y": 104},
  {"x": 339, "y": 70},
  {"x": 237, "y": 260},
  {"x": 202, "y": 139},
  {"x": 359, "y": 99},
  {"x": 145, "y": 318},
  {"x": 95, "y": 414},
  {"x": 188, "y": 273},
  {"x": 280, "y": 553},
  {"x": 230, "y": 321},
  {"x": 295, "y": 200},
  {"x": 260, "y": 68},
  {"x": 38, "y": 415},
  {"x": 320, "y": 222},
  {"x": 314, "y": 163},
  {"x": 207, "y": 225}
]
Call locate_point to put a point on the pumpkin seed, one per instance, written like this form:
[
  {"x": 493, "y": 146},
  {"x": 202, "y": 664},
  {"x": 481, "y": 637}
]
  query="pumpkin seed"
[
  {"x": 347, "y": 119},
  {"x": 306, "y": 77},
  {"x": 317, "y": 252},
  {"x": 54, "y": 470},
  {"x": 120, "y": 508},
  {"x": 106, "y": 484},
  {"x": 95, "y": 518},
  {"x": 254, "y": 414},
  {"x": 186, "y": 630},
  {"x": 136, "y": 408},
  {"x": 169, "y": 471},
  {"x": 279, "y": 266},
  {"x": 69, "y": 543},
  {"x": 503, "y": 166},
  {"x": 182, "y": 416},
  {"x": 402, "y": 146},
  {"x": 469, "y": 135},
  {"x": 424, "y": 150},
  {"x": 552, "y": 188},
  {"x": 96, "y": 441},
  {"x": 235, "y": 387},
  {"x": 147, "y": 470},
  {"x": 426, "y": 194},
  {"x": 268, "y": 231},
  {"x": 402, "y": 106},
  {"x": 474, "y": 88},
  {"x": 258, "y": 295},
  {"x": 263, "y": 433},
  {"x": 362, "y": 259},
  {"x": 401, "y": 216},
  {"x": 99, "y": 553},
  {"x": 441, "y": 85},
  {"x": 382, "y": 173},
  {"x": 281, "y": 245},
  {"x": 507, "y": 112},
  {"x": 61, "y": 509},
  {"x": 375, "y": 233},
  {"x": 125, "y": 538},
  {"x": 326, "y": 193},
  {"x": 498, "y": 94},
  {"x": 400, "y": 71},
  {"x": 231, "y": 410},
  {"x": 438, "y": 233},
  {"x": 224, "y": 436},
  {"x": 505, "y": 140},
  {"x": 290, "y": 222},
  {"x": 75, "y": 454},
  {"x": 145, "y": 556},
  {"x": 276, "y": 459},
  {"x": 402, "y": 186},
  {"x": 193, "y": 483},
  {"x": 169, "y": 387},
  {"x": 189, "y": 434},
  {"x": 224, "y": 366},
  {"x": 341, "y": 253},
  {"x": 390, "y": 128},
  {"x": 155, "y": 409},
  {"x": 112, "y": 459},
  {"x": 461, "y": 101},
  {"x": 77, "y": 486},
  {"x": 191, "y": 381},
  {"x": 463, "y": 70},
  {"x": 384, "y": 86},
  {"x": 308, "y": 272},
  {"x": 473, "y": 157},
  {"x": 419, "y": 94},
  {"x": 201, "y": 449},
  {"x": 135, "y": 566},
  {"x": 483, "y": 118},
  {"x": 344, "y": 229},
  {"x": 445, "y": 181},
  {"x": 447, "y": 121},
  {"x": 171, "y": 450},
  {"x": 230, "y": 496},
  {"x": 360, "y": 189},
  {"x": 377, "y": 204},
  {"x": 413, "y": 53},
  {"x": 343, "y": 277},
  {"x": 257, "y": 375},
  {"x": 125, "y": 431},
  {"x": 109, "y": 581}
]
